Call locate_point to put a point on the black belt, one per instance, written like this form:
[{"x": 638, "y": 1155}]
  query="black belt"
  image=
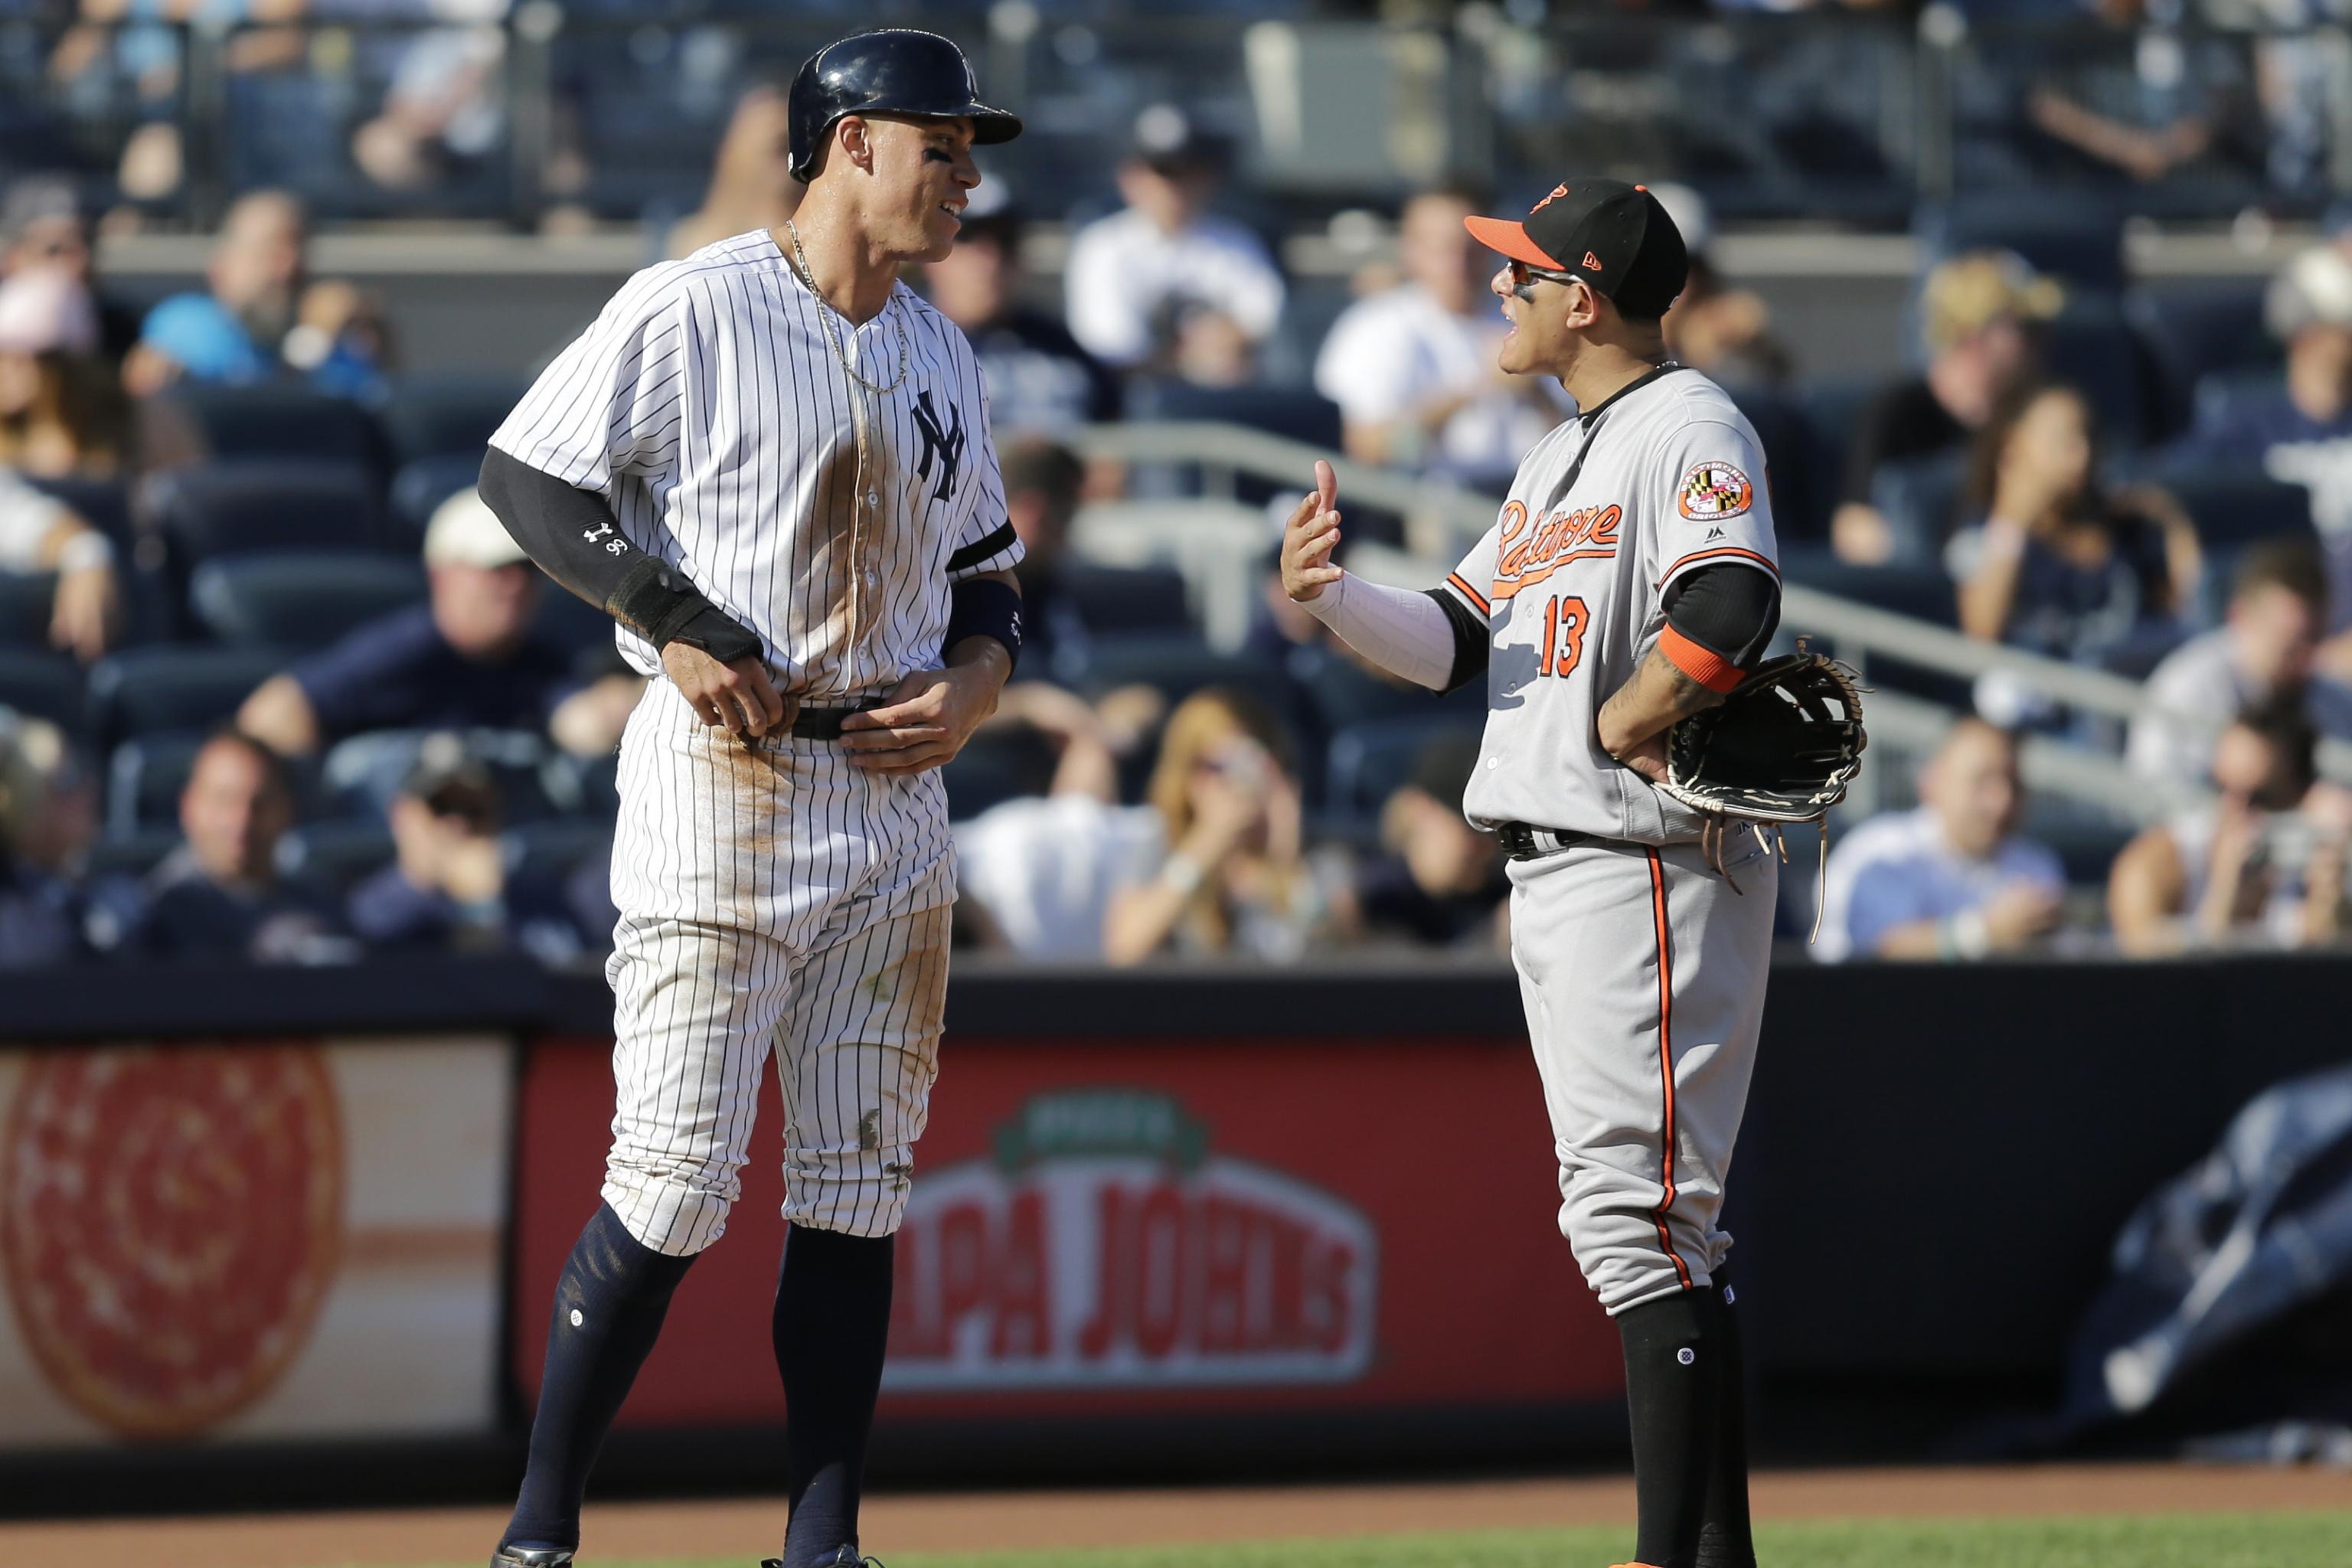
[
  {"x": 1521, "y": 842},
  {"x": 824, "y": 723}
]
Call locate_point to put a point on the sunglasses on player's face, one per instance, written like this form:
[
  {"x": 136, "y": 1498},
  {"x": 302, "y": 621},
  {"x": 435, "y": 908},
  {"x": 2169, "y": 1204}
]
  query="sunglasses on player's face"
[{"x": 1522, "y": 276}]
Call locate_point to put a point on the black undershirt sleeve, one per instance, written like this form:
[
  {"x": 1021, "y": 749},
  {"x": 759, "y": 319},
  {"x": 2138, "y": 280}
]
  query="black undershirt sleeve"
[
  {"x": 1473, "y": 643},
  {"x": 574, "y": 538},
  {"x": 1729, "y": 609}
]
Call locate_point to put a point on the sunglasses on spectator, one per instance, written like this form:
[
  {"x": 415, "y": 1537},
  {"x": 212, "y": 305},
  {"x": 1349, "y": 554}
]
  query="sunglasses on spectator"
[{"x": 1521, "y": 273}]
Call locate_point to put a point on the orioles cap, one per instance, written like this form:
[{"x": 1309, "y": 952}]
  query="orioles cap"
[{"x": 1615, "y": 236}]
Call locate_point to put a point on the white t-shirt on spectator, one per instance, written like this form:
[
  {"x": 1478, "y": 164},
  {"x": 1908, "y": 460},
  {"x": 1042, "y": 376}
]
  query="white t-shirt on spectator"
[
  {"x": 2201, "y": 678},
  {"x": 1899, "y": 868},
  {"x": 1045, "y": 869},
  {"x": 27, "y": 518},
  {"x": 1390, "y": 354},
  {"x": 1122, "y": 270}
]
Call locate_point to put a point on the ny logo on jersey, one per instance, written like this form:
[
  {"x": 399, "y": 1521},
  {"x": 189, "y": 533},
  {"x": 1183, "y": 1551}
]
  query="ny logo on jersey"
[{"x": 946, "y": 445}]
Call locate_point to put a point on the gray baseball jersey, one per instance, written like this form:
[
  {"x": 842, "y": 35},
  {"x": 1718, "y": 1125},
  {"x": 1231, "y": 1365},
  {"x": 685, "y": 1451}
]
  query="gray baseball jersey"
[
  {"x": 1605, "y": 511},
  {"x": 770, "y": 893},
  {"x": 1642, "y": 969}
]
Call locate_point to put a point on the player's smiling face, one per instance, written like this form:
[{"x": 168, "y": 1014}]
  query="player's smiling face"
[{"x": 923, "y": 176}]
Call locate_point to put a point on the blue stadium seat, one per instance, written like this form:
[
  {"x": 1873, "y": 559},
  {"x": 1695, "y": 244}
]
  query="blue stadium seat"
[
  {"x": 2090, "y": 346},
  {"x": 1298, "y": 413},
  {"x": 999, "y": 765},
  {"x": 45, "y": 684},
  {"x": 556, "y": 844},
  {"x": 2071, "y": 234},
  {"x": 1368, "y": 761},
  {"x": 26, "y": 598},
  {"x": 1176, "y": 667},
  {"x": 1921, "y": 500},
  {"x": 422, "y": 485},
  {"x": 446, "y": 415},
  {"x": 1923, "y": 593},
  {"x": 359, "y": 776},
  {"x": 2218, "y": 394},
  {"x": 104, "y": 504},
  {"x": 2192, "y": 331},
  {"x": 1126, "y": 598},
  {"x": 335, "y": 855},
  {"x": 228, "y": 508},
  {"x": 146, "y": 690},
  {"x": 1827, "y": 411},
  {"x": 2236, "y": 506},
  {"x": 282, "y": 420},
  {"x": 299, "y": 600}
]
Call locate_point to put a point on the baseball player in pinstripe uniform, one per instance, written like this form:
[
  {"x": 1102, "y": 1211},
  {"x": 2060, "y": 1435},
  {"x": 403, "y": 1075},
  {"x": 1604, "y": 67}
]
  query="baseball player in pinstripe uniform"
[
  {"x": 769, "y": 462},
  {"x": 1628, "y": 580}
]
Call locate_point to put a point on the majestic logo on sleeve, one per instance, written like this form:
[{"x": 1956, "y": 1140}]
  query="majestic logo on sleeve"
[
  {"x": 943, "y": 443},
  {"x": 1713, "y": 491}
]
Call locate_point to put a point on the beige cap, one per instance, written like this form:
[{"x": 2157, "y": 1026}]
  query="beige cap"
[
  {"x": 1968, "y": 293},
  {"x": 2315, "y": 290},
  {"x": 465, "y": 532}
]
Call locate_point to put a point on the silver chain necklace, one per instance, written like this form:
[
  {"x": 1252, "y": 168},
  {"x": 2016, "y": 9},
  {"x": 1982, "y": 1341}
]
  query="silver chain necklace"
[{"x": 824, "y": 314}]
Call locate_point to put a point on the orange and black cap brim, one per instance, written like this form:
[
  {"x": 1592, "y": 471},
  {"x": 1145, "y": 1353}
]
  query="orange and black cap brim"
[{"x": 1508, "y": 238}]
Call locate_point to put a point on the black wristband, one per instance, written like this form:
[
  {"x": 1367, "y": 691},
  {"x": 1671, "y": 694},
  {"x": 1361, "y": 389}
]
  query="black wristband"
[
  {"x": 666, "y": 608},
  {"x": 983, "y": 607}
]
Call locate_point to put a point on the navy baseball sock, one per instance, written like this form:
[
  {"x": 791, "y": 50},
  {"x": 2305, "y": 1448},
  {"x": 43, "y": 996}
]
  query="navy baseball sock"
[
  {"x": 609, "y": 1306},
  {"x": 832, "y": 1325},
  {"x": 1724, "y": 1540},
  {"x": 1674, "y": 1393}
]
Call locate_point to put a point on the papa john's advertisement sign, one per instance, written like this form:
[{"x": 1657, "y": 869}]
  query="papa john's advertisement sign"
[{"x": 1104, "y": 1242}]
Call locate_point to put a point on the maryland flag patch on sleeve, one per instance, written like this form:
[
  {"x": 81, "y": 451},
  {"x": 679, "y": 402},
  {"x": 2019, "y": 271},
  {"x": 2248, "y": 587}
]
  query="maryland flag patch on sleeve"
[{"x": 1713, "y": 491}]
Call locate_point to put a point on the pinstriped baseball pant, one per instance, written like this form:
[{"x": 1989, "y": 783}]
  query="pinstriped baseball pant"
[
  {"x": 1643, "y": 977},
  {"x": 774, "y": 901}
]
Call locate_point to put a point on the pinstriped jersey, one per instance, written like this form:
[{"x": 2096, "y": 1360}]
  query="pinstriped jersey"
[
  {"x": 1603, "y": 514},
  {"x": 710, "y": 410}
]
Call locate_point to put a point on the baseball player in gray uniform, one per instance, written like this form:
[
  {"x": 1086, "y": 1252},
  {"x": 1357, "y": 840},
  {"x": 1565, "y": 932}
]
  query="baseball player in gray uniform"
[
  {"x": 1628, "y": 581},
  {"x": 769, "y": 462}
]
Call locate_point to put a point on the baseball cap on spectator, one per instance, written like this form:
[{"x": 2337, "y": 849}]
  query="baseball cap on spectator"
[
  {"x": 2315, "y": 290},
  {"x": 45, "y": 309},
  {"x": 197, "y": 333},
  {"x": 1615, "y": 236},
  {"x": 1967, "y": 294},
  {"x": 464, "y": 532}
]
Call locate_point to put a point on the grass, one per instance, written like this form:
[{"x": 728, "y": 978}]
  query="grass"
[{"x": 2187, "y": 1541}]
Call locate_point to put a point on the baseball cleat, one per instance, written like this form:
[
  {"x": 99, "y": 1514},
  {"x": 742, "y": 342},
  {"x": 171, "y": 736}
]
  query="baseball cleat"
[
  {"x": 847, "y": 1557},
  {"x": 531, "y": 1557}
]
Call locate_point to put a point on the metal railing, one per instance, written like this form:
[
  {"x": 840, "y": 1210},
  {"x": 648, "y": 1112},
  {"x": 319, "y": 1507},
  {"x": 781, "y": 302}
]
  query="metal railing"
[{"x": 1442, "y": 519}]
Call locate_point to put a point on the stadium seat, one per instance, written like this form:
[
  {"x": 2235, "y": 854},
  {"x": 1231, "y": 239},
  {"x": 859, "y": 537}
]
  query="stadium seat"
[
  {"x": 2236, "y": 506},
  {"x": 233, "y": 507},
  {"x": 1177, "y": 666},
  {"x": 1781, "y": 429},
  {"x": 146, "y": 690},
  {"x": 299, "y": 600},
  {"x": 424, "y": 483},
  {"x": 281, "y": 420},
  {"x": 104, "y": 504},
  {"x": 1293, "y": 412},
  {"x": 2071, "y": 234},
  {"x": 133, "y": 857},
  {"x": 449, "y": 415},
  {"x": 2090, "y": 346},
  {"x": 1828, "y": 411},
  {"x": 359, "y": 776},
  {"x": 143, "y": 779},
  {"x": 45, "y": 684},
  {"x": 555, "y": 844},
  {"x": 1921, "y": 500},
  {"x": 26, "y": 598},
  {"x": 999, "y": 765},
  {"x": 334, "y": 855},
  {"x": 1126, "y": 598},
  {"x": 1923, "y": 593},
  {"x": 2192, "y": 331},
  {"x": 1368, "y": 761}
]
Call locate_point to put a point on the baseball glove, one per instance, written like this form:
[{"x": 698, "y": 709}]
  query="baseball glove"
[{"x": 1781, "y": 747}]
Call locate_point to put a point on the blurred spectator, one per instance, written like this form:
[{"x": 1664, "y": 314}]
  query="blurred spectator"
[
  {"x": 751, "y": 184},
  {"x": 219, "y": 894},
  {"x": 1234, "y": 877},
  {"x": 2058, "y": 564},
  {"x": 1038, "y": 378},
  {"x": 40, "y": 916},
  {"x": 2137, "y": 99},
  {"x": 467, "y": 659},
  {"x": 1952, "y": 879},
  {"x": 1438, "y": 882},
  {"x": 2262, "y": 654},
  {"x": 445, "y": 112},
  {"x": 43, "y": 223},
  {"x": 40, "y": 534},
  {"x": 448, "y": 888},
  {"x": 1413, "y": 368},
  {"x": 2231, "y": 873},
  {"x": 1978, "y": 311},
  {"x": 1038, "y": 873},
  {"x": 61, "y": 410},
  {"x": 1724, "y": 332},
  {"x": 260, "y": 310},
  {"x": 1042, "y": 484},
  {"x": 1166, "y": 265},
  {"x": 2301, "y": 430}
]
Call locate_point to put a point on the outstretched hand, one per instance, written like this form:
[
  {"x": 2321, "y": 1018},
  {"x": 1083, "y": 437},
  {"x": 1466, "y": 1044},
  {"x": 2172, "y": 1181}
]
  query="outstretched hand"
[{"x": 1309, "y": 538}]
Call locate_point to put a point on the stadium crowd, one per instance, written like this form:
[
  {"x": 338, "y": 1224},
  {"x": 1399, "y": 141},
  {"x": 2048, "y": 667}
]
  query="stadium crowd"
[{"x": 279, "y": 686}]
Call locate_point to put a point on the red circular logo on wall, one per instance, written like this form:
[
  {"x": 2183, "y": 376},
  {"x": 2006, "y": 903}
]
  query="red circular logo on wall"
[{"x": 170, "y": 1222}]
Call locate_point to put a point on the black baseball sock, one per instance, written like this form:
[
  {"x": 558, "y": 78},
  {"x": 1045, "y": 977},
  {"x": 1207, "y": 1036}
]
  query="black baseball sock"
[
  {"x": 1724, "y": 1540},
  {"x": 832, "y": 1325},
  {"x": 1673, "y": 1390},
  {"x": 609, "y": 1306}
]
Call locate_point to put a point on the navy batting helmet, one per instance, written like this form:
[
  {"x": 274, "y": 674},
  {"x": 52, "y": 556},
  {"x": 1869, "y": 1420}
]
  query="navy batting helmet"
[{"x": 896, "y": 71}]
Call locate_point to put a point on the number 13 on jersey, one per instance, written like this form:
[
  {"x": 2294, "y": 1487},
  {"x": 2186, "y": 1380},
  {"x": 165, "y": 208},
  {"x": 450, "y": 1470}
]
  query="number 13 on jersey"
[{"x": 1563, "y": 643}]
